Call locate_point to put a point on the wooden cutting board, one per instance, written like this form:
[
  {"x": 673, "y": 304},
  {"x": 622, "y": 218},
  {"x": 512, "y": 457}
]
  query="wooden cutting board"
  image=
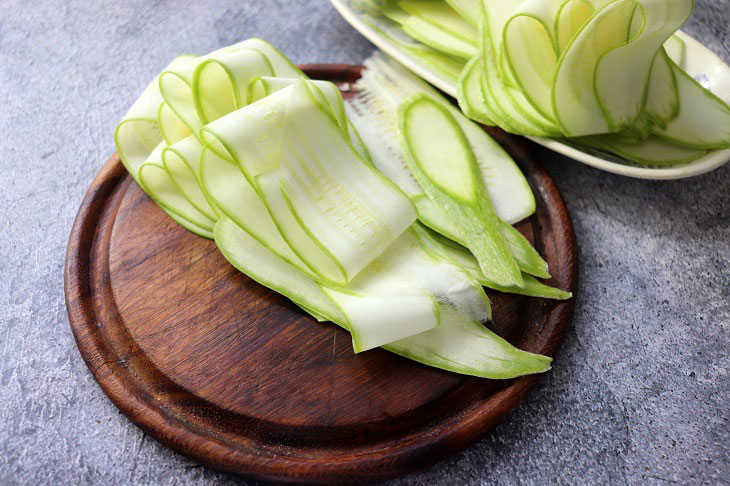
[{"x": 238, "y": 378}]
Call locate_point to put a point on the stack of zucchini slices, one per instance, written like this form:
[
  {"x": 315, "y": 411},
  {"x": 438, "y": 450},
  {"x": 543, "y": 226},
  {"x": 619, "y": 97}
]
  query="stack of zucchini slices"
[
  {"x": 390, "y": 235},
  {"x": 600, "y": 75}
]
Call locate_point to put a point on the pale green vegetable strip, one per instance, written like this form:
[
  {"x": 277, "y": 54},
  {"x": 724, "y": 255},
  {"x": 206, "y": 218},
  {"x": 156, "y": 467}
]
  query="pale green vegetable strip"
[
  {"x": 435, "y": 24},
  {"x": 171, "y": 127},
  {"x": 447, "y": 66},
  {"x": 138, "y": 133},
  {"x": 571, "y": 16},
  {"x": 510, "y": 107},
  {"x": 532, "y": 287},
  {"x": 181, "y": 161},
  {"x": 432, "y": 36},
  {"x": 441, "y": 14},
  {"x": 703, "y": 121},
  {"x": 235, "y": 65},
  {"x": 410, "y": 266},
  {"x": 155, "y": 181},
  {"x": 465, "y": 346},
  {"x": 258, "y": 262},
  {"x": 384, "y": 85},
  {"x": 531, "y": 52},
  {"x": 622, "y": 74},
  {"x": 470, "y": 10},
  {"x": 675, "y": 50},
  {"x": 651, "y": 152},
  {"x": 188, "y": 225},
  {"x": 458, "y": 344},
  {"x": 662, "y": 99},
  {"x": 331, "y": 97},
  {"x": 574, "y": 101},
  {"x": 234, "y": 197},
  {"x": 469, "y": 93},
  {"x": 527, "y": 258},
  {"x": 287, "y": 139},
  {"x": 220, "y": 82},
  {"x": 327, "y": 94},
  {"x": 441, "y": 159},
  {"x": 371, "y": 318}
]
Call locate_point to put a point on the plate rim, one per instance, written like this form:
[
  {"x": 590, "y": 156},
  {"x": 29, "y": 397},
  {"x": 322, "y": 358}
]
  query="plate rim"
[{"x": 114, "y": 371}]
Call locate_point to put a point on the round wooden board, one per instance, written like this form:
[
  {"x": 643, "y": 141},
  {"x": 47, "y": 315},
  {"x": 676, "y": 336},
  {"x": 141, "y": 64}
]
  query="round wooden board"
[{"x": 235, "y": 376}]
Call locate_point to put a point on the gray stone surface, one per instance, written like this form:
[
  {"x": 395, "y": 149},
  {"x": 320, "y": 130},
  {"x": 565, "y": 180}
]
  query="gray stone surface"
[{"x": 639, "y": 392}]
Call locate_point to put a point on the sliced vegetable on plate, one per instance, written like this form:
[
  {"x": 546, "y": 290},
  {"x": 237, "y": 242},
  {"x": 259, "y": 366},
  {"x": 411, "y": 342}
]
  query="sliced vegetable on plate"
[{"x": 610, "y": 78}]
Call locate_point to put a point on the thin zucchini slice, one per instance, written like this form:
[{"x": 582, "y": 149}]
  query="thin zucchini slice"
[
  {"x": 157, "y": 183},
  {"x": 622, "y": 74},
  {"x": 703, "y": 121},
  {"x": 181, "y": 161},
  {"x": 469, "y": 93},
  {"x": 384, "y": 85},
  {"x": 298, "y": 158},
  {"x": 458, "y": 344},
  {"x": 137, "y": 135},
  {"x": 574, "y": 99},
  {"x": 443, "y": 163}
]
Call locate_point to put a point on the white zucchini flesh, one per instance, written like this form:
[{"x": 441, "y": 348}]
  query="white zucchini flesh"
[
  {"x": 443, "y": 163},
  {"x": 447, "y": 66},
  {"x": 675, "y": 48},
  {"x": 458, "y": 344},
  {"x": 384, "y": 85},
  {"x": 465, "y": 346},
  {"x": 441, "y": 14},
  {"x": 329, "y": 96},
  {"x": 662, "y": 98},
  {"x": 512, "y": 103},
  {"x": 288, "y": 140},
  {"x": 433, "y": 36},
  {"x": 570, "y": 17},
  {"x": 527, "y": 258},
  {"x": 434, "y": 24},
  {"x": 510, "y": 107},
  {"x": 247, "y": 254},
  {"x": 531, "y": 51},
  {"x": 220, "y": 82},
  {"x": 469, "y": 10}
]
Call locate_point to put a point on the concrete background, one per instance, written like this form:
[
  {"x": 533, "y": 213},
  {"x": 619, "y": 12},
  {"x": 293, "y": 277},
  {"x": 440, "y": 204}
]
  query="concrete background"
[{"x": 639, "y": 392}]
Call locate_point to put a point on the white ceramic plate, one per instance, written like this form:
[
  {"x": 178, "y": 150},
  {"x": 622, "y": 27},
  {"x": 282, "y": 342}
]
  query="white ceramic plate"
[{"x": 700, "y": 63}]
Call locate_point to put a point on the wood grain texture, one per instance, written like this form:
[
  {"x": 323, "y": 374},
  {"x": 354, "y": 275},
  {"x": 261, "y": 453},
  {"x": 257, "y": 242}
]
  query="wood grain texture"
[{"x": 237, "y": 377}]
